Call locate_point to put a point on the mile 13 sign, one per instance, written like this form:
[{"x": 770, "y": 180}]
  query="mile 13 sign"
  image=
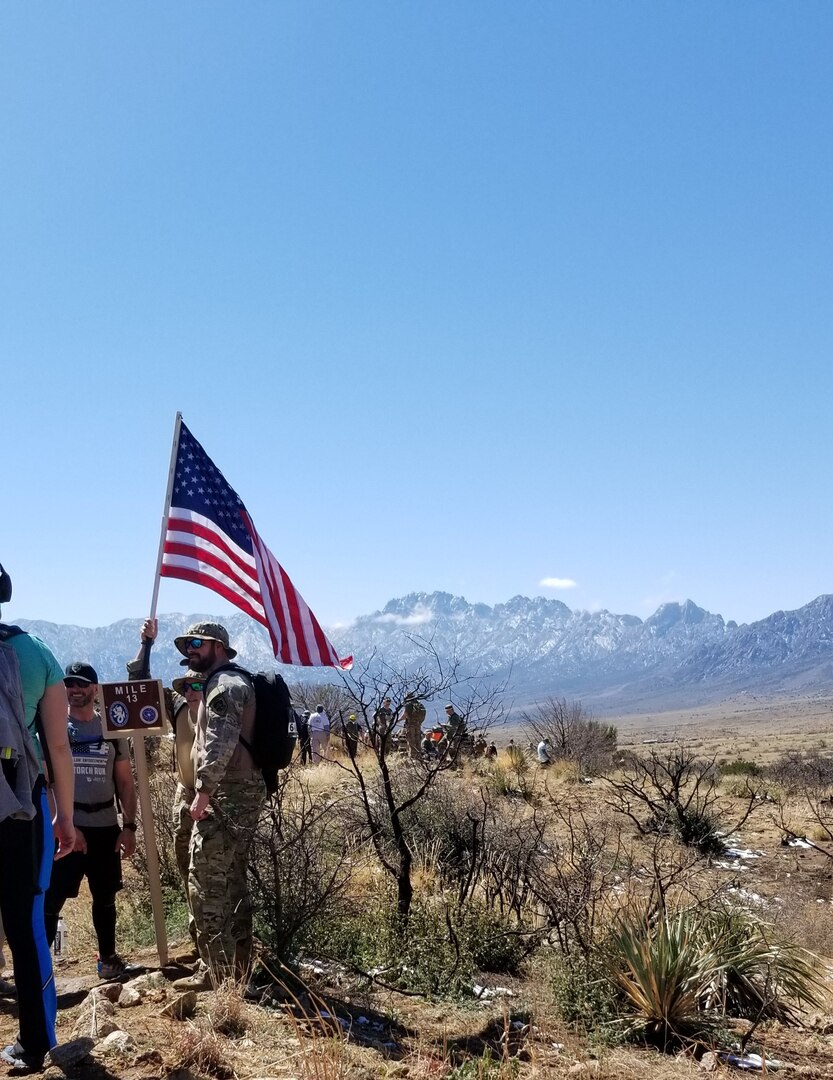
[{"x": 131, "y": 708}]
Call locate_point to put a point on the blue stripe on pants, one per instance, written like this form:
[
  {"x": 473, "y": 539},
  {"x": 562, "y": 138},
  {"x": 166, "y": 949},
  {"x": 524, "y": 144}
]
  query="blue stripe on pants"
[{"x": 26, "y": 852}]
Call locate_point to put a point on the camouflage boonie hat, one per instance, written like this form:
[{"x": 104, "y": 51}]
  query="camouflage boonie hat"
[
  {"x": 189, "y": 676},
  {"x": 212, "y": 631}
]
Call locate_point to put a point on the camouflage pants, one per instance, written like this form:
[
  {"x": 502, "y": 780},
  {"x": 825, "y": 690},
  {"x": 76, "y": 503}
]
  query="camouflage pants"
[
  {"x": 183, "y": 825},
  {"x": 217, "y": 885},
  {"x": 413, "y": 737}
]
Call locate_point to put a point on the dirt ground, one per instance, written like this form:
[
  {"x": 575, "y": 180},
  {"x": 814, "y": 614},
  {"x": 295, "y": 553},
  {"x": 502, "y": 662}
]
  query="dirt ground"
[
  {"x": 747, "y": 726},
  {"x": 338, "y": 1028}
]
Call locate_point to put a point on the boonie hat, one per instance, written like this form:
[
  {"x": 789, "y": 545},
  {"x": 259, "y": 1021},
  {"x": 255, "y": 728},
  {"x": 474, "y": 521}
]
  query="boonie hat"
[
  {"x": 81, "y": 671},
  {"x": 211, "y": 631},
  {"x": 189, "y": 676}
]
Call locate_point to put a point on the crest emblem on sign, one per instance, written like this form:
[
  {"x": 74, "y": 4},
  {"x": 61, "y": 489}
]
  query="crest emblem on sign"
[{"x": 118, "y": 714}]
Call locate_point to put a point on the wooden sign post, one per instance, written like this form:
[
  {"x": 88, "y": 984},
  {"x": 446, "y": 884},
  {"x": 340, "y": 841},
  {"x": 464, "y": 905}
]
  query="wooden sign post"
[{"x": 135, "y": 710}]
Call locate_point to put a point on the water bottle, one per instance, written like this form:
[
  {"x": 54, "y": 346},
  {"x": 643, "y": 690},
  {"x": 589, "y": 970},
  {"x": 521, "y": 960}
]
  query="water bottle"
[{"x": 60, "y": 945}]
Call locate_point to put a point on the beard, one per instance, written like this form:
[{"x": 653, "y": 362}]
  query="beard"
[
  {"x": 200, "y": 662},
  {"x": 80, "y": 699}
]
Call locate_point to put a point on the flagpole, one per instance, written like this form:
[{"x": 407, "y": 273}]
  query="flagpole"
[
  {"x": 139, "y": 755},
  {"x": 165, "y": 515}
]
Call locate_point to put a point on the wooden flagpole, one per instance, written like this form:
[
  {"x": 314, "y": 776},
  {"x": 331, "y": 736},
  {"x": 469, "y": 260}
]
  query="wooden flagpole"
[
  {"x": 165, "y": 514},
  {"x": 139, "y": 754}
]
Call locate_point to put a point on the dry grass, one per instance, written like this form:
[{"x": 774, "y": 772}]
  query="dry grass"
[
  {"x": 195, "y": 1047},
  {"x": 809, "y": 921},
  {"x": 230, "y": 1037},
  {"x": 228, "y": 1013},
  {"x": 561, "y": 772}
]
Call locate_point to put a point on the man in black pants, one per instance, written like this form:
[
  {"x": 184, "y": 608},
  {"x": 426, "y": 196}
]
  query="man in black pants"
[
  {"x": 303, "y": 738},
  {"x": 102, "y": 770}
]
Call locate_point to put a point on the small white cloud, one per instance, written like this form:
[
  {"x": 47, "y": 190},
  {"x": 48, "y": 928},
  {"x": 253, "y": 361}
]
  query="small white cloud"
[
  {"x": 557, "y": 583},
  {"x": 417, "y": 617}
]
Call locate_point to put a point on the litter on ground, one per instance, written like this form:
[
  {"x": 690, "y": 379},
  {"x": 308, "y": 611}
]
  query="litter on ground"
[{"x": 491, "y": 991}]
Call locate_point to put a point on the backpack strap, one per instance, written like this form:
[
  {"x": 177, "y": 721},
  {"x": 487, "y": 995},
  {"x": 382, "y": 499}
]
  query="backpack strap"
[
  {"x": 8, "y": 631},
  {"x": 237, "y": 670}
]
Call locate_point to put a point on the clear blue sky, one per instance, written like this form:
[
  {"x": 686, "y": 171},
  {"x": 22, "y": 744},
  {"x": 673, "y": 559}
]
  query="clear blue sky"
[{"x": 458, "y": 296}]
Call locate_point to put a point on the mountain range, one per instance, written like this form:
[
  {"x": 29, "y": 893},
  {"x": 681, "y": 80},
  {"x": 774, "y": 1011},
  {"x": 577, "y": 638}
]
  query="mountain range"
[{"x": 680, "y": 656}]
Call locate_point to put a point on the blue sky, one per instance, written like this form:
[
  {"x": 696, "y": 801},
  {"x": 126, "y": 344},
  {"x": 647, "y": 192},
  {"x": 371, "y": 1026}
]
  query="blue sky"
[{"x": 460, "y": 296}]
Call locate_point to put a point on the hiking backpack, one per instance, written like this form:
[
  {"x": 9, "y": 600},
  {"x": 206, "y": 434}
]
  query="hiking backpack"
[
  {"x": 12, "y": 707},
  {"x": 275, "y": 730}
]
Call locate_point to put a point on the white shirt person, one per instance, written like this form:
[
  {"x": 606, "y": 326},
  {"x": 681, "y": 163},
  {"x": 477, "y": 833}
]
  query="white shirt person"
[{"x": 319, "y": 734}]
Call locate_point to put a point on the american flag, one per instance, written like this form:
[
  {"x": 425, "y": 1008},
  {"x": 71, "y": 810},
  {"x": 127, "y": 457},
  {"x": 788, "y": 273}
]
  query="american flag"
[{"x": 211, "y": 540}]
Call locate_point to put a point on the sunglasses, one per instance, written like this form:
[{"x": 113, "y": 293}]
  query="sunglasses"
[
  {"x": 193, "y": 686},
  {"x": 194, "y": 643},
  {"x": 75, "y": 684}
]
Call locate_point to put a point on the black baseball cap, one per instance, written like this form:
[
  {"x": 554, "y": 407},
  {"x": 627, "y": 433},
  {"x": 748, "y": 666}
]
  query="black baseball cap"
[{"x": 81, "y": 671}]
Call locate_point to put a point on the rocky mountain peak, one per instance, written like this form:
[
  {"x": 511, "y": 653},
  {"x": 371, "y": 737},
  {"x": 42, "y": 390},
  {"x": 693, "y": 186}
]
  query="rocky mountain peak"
[{"x": 680, "y": 655}]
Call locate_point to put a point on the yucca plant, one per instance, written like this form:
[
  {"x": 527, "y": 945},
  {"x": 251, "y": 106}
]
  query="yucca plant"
[
  {"x": 679, "y": 974},
  {"x": 660, "y": 970},
  {"x": 760, "y": 977}
]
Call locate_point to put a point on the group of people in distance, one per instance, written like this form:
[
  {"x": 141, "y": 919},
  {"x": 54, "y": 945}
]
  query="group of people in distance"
[
  {"x": 68, "y": 811},
  {"x": 313, "y": 735},
  {"x": 315, "y": 729}
]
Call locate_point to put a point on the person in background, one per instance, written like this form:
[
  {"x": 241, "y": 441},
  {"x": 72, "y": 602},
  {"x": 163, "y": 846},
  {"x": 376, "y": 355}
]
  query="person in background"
[
  {"x": 414, "y": 716},
  {"x": 319, "y": 730},
  {"x": 352, "y": 731},
  {"x": 304, "y": 739},
  {"x": 188, "y": 693},
  {"x": 455, "y": 725},
  {"x": 183, "y": 703},
  {"x": 428, "y": 746},
  {"x": 27, "y": 844},
  {"x": 102, "y": 772}
]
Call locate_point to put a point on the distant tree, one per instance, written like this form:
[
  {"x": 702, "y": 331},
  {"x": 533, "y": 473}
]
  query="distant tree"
[
  {"x": 391, "y": 784},
  {"x": 573, "y": 733},
  {"x": 306, "y": 695}
]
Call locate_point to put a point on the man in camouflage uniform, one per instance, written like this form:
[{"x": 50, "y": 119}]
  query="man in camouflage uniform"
[
  {"x": 229, "y": 794},
  {"x": 455, "y": 725},
  {"x": 187, "y": 695},
  {"x": 182, "y": 703},
  {"x": 414, "y": 715}
]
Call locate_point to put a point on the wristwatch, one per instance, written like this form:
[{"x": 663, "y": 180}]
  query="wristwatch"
[{"x": 130, "y": 826}]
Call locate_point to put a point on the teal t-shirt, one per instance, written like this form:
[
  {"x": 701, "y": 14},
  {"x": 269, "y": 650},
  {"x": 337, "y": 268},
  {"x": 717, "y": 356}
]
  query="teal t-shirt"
[{"x": 38, "y": 669}]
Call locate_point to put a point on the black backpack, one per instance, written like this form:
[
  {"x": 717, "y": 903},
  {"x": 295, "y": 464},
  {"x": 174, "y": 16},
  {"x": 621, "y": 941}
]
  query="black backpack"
[{"x": 275, "y": 731}]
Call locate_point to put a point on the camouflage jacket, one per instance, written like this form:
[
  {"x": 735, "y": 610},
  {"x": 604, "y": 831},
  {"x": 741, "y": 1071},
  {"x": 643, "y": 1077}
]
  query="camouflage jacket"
[
  {"x": 227, "y": 713},
  {"x": 414, "y": 713}
]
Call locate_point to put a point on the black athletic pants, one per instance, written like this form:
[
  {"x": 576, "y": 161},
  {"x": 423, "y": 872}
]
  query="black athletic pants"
[
  {"x": 101, "y": 865},
  {"x": 26, "y": 852}
]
